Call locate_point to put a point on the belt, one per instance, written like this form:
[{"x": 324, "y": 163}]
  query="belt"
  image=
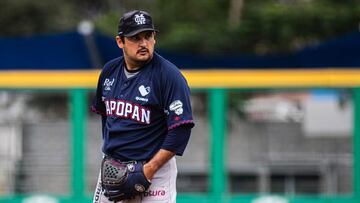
[{"x": 126, "y": 162}]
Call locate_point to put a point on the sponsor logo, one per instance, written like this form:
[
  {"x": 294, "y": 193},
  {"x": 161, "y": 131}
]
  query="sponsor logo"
[
  {"x": 141, "y": 99},
  {"x": 108, "y": 83},
  {"x": 140, "y": 19},
  {"x": 144, "y": 90},
  {"x": 176, "y": 106},
  {"x": 154, "y": 193}
]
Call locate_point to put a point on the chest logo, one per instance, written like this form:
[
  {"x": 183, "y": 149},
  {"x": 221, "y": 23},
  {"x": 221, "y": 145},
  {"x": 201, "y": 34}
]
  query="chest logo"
[
  {"x": 108, "y": 83},
  {"x": 144, "y": 90},
  {"x": 127, "y": 110}
]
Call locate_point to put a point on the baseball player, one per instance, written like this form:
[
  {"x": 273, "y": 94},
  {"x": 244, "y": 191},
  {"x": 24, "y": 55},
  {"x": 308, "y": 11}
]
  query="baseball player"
[{"x": 144, "y": 103}]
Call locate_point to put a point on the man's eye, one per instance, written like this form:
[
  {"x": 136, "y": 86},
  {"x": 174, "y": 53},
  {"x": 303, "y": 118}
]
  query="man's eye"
[
  {"x": 148, "y": 35},
  {"x": 135, "y": 38}
]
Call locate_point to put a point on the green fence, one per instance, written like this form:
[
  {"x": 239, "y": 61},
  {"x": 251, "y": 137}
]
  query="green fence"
[
  {"x": 218, "y": 176},
  {"x": 217, "y": 171}
]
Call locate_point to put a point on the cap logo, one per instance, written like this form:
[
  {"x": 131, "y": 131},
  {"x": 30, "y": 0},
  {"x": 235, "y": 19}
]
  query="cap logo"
[{"x": 140, "y": 19}]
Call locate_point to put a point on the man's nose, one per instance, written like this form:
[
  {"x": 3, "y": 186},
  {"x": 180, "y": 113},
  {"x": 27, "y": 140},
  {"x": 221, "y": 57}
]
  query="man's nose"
[{"x": 143, "y": 41}]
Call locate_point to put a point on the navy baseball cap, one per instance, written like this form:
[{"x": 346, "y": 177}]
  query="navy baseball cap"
[{"x": 134, "y": 22}]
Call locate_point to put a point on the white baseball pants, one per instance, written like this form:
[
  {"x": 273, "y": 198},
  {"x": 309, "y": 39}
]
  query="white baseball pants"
[{"x": 161, "y": 190}]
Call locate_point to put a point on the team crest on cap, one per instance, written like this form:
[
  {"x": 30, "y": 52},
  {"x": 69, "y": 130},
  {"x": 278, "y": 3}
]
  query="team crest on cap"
[{"x": 139, "y": 19}]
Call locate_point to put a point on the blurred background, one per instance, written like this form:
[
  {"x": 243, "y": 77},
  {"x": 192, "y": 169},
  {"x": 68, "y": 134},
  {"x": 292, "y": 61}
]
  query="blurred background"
[{"x": 252, "y": 143}]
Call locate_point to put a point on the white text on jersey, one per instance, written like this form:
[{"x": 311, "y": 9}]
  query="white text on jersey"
[{"x": 129, "y": 110}]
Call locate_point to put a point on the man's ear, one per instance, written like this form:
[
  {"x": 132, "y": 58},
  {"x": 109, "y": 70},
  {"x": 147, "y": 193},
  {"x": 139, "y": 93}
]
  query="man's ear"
[{"x": 119, "y": 42}]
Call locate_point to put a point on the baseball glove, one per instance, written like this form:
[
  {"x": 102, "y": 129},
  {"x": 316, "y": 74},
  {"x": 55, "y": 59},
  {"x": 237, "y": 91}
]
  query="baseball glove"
[{"x": 122, "y": 180}]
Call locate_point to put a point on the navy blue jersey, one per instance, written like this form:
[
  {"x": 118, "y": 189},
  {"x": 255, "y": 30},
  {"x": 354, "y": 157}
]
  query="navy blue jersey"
[{"x": 137, "y": 112}]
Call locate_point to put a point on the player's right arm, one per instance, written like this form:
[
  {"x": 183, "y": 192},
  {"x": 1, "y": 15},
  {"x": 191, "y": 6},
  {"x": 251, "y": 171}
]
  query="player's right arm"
[{"x": 160, "y": 158}]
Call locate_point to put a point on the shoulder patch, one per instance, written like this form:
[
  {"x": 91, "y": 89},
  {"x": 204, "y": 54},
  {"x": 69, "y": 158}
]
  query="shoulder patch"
[{"x": 177, "y": 107}]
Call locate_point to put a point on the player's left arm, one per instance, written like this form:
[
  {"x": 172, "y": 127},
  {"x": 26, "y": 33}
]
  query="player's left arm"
[{"x": 179, "y": 121}]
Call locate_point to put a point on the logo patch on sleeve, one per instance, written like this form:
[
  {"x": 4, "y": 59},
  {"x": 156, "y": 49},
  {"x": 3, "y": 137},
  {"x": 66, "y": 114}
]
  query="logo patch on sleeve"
[{"x": 177, "y": 107}]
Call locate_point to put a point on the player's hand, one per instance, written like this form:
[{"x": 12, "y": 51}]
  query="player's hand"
[
  {"x": 129, "y": 184},
  {"x": 149, "y": 171}
]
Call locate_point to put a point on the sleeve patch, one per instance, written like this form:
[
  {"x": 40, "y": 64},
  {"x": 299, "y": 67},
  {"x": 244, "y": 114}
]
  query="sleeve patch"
[{"x": 177, "y": 107}]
